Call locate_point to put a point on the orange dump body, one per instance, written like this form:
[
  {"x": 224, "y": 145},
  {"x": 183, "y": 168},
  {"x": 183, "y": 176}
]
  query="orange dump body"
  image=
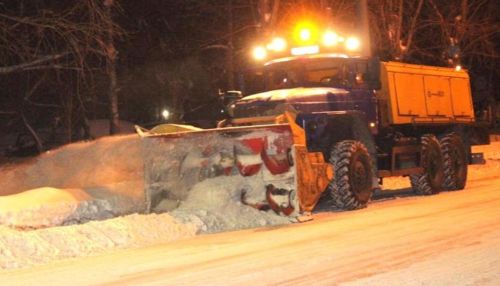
[{"x": 424, "y": 94}]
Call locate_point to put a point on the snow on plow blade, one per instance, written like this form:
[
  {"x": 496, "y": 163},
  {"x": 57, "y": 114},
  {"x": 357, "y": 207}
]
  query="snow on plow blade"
[{"x": 176, "y": 162}]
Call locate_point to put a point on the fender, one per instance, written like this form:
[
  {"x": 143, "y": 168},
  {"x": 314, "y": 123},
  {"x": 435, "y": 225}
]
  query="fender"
[{"x": 324, "y": 129}]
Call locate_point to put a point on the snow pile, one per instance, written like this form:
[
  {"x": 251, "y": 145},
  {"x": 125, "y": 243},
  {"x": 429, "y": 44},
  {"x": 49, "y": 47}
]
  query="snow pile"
[
  {"x": 210, "y": 207},
  {"x": 65, "y": 203},
  {"x": 93, "y": 164},
  {"x": 26, "y": 248},
  {"x": 215, "y": 205},
  {"x": 104, "y": 179},
  {"x": 75, "y": 183},
  {"x": 100, "y": 127},
  {"x": 45, "y": 207},
  {"x": 83, "y": 182}
]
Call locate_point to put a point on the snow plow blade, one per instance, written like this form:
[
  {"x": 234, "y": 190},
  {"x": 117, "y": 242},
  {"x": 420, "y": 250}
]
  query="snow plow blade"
[{"x": 262, "y": 162}]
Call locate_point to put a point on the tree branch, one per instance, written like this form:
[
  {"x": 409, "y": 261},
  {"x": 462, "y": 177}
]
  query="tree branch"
[
  {"x": 32, "y": 64},
  {"x": 412, "y": 26}
]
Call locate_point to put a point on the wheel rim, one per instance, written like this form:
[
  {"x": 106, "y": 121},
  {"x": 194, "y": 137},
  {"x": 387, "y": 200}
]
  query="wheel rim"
[
  {"x": 458, "y": 162},
  {"x": 360, "y": 178},
  {"x": 434, "y": 166}
]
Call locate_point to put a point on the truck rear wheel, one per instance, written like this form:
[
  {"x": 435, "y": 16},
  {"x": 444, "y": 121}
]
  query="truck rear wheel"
[
  {"x": 455, "y": 162},
  {"x": 431, "y": 180},
  {"x": 351, "y": 187}
]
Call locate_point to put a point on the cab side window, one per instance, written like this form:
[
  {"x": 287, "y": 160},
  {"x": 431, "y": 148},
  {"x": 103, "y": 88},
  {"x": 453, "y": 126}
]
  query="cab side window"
[{"x": 360, "y": 76}]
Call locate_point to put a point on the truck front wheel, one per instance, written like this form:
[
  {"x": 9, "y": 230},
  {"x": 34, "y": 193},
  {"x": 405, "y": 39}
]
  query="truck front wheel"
[
  {"x": 455, "y": 162},
  {"x": 351, "y": 187},
  {"x": 431, "y": 180}
]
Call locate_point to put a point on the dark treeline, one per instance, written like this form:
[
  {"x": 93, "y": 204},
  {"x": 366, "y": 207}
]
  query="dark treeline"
[{"x": 64, "y": 63}]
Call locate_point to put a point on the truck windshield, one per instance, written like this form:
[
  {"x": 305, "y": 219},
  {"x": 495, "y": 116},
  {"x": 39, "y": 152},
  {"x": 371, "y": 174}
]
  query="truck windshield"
[{"x": 328, "y": 72}]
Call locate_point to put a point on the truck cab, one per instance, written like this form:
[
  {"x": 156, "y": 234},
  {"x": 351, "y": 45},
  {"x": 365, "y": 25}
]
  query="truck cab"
[{"x": 324, "y": 82}]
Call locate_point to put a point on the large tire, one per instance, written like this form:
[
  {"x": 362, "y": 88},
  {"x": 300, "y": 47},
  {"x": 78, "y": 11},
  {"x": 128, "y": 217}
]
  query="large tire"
[
  {"x": 351, "y": 187},
  {"x": 455, "y": 162},
  {"x": 431, "y": 180}
]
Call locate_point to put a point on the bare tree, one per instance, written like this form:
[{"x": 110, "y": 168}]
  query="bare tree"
[
  {"x": 468, "y": 29},
  {"x": 61, "y": 44},
  {"x": 111, "y": 55}
]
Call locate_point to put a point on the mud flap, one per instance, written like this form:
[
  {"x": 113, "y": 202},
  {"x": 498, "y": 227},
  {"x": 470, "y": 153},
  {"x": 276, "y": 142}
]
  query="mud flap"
[{"x": 477, "y": 159}]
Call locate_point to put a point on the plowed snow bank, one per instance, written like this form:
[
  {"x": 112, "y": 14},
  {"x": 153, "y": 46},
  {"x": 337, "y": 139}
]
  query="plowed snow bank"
[
  {"x": 45, "y": 207},
  {"x": 84, "y": 165},
  {"x": 25, "y": 248},
  {"x": 75, "y": 183}
]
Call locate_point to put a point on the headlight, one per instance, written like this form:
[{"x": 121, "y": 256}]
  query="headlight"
[
  {"x": 352, "y": 44},
  {"x": 277, "y": 45},
  {"x": 330, "y": 39},
  {"x": 305, "y": 35},
  {"x": 259, "y": 53}
]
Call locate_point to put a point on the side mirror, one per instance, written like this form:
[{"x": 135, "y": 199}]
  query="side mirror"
[
  {"x": 374, "y": 73},
  {"x": 230, "y": 96},
  {"x": 227, "y": 98}
]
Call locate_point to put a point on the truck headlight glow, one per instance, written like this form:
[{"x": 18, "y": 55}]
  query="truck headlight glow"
[
  {"x": 277, "y": 45},
  {"x": 352, "y": 44},
  {"x": 306, "y": 39},
  {"x": 330, "y": 39},
  {"x": 308, "y": 50},
  {"x": 259, "y": 53},
  {"x": 305, "y": 34}
]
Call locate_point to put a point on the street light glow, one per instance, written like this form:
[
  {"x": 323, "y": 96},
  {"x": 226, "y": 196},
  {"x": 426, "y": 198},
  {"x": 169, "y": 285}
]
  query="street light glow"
[{"x": 165, "y": 114}]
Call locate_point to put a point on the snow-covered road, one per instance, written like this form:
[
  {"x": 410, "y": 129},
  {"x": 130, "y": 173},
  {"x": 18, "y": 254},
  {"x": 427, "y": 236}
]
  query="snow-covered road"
[{"x": 452, "y": 238}]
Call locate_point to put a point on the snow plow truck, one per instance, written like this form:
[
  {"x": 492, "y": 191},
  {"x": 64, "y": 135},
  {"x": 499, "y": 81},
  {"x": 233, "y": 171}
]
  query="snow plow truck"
[{"x": 328, "y": 126}]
